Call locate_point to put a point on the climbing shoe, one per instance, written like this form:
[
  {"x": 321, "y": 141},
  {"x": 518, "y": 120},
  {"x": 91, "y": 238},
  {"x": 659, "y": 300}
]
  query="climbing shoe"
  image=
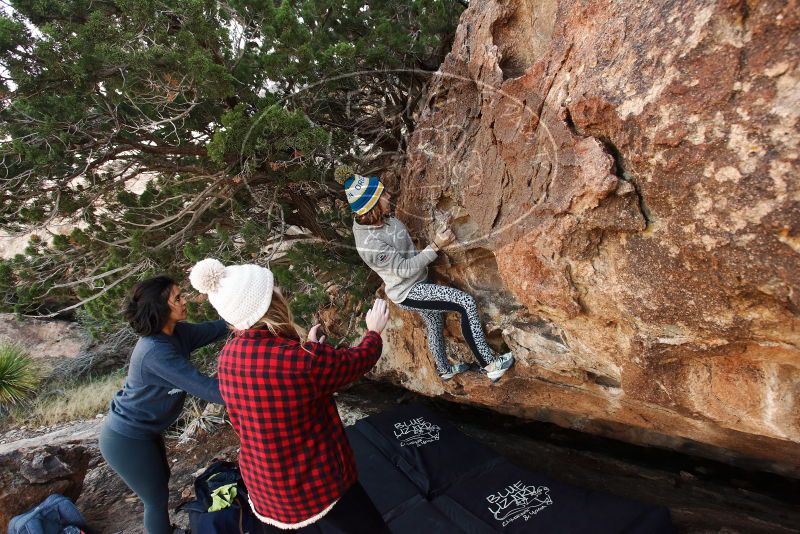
[
  {"x": 497, "y": 368},
  {"x": 455, "y": 369}
]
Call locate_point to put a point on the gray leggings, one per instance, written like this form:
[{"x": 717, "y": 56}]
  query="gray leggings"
[
  {"x": 431, "y": 301},
  {"x": 142, "y": 464}
]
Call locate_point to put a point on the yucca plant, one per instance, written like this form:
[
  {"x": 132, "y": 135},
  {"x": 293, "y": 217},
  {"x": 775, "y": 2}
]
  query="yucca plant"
[{"x": 18, "y": 375}]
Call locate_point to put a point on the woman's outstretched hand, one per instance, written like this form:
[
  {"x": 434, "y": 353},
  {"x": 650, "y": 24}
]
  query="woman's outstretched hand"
[
  {"x": 313, "y": 334},
  {"x": 378, "y": 316}
]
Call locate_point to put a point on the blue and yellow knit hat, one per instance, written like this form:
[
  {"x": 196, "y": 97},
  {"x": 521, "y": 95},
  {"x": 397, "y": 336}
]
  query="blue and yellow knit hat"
[{"x": 362, "y": 192}]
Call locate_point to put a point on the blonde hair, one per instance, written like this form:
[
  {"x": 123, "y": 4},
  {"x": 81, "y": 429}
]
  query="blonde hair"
[{"x": 279, "y": 319}]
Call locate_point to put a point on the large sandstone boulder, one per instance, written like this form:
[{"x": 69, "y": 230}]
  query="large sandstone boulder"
[{"x": 622, "y": 177}]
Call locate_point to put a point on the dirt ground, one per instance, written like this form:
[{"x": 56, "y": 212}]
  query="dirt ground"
[{"x": 703, "y": 496}]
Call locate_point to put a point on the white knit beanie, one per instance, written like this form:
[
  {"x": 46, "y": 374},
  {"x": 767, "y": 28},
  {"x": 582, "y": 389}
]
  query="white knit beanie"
[{"x": 241, "y": 294}]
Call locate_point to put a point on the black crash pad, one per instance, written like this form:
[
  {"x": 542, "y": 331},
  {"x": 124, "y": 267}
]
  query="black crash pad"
[{"x": 425, "y": 476}]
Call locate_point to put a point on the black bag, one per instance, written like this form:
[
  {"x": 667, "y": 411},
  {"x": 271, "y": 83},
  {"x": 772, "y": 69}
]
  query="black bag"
[{"x": 236, "y": 517}]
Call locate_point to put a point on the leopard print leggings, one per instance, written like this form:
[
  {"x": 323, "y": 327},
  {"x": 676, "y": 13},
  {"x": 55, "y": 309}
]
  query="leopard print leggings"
[{"x": 431, "y": 301}]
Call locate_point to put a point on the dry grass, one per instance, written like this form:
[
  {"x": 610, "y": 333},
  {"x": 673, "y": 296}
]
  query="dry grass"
[{"x": 81, "y": 401}]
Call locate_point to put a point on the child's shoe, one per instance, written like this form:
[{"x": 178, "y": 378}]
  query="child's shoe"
[
  {"x": 497, "y": 368},
  {"x": 455, "y": 369}
]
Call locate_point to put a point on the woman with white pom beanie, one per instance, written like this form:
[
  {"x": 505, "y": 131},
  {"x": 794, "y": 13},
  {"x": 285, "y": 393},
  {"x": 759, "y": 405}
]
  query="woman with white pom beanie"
[
  {"x": 159, "y": 376},
  {"x": 278, "y": 389}
]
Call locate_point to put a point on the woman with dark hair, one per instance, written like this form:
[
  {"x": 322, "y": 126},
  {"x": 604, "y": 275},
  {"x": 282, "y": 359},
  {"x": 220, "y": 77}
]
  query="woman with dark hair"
[{"x": 159, "y": 376}]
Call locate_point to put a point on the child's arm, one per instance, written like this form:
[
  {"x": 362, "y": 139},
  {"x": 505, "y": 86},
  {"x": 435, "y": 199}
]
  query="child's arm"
[{"x": 382, "y": 256}]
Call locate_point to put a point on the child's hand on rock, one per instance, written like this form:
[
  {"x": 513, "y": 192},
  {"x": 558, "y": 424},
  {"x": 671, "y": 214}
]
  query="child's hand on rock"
[{"x": 444, "y": 236}]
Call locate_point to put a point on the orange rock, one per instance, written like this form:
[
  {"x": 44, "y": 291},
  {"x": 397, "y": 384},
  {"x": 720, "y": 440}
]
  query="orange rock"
[{"x": 622, "y": 180}]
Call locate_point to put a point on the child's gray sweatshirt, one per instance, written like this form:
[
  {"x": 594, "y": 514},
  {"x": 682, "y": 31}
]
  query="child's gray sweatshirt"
[{"x": 389, "y": 251}]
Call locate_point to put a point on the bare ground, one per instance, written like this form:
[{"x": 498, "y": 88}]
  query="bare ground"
[{"x": 704, "y": 496}]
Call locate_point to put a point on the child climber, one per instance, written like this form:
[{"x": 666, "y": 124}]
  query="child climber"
[
  {"x": 383, "y": 242},
  {"x": 295, "y": 459}
]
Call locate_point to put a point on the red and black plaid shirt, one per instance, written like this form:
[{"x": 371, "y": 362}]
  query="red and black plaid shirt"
[{"x": 295, "y": 458}]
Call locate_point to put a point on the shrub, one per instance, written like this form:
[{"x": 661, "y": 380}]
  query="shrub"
[{"x": 18, "y": 375}]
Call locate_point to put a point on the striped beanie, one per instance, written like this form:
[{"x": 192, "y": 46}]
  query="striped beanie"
[{"x": 362, "y": 192}]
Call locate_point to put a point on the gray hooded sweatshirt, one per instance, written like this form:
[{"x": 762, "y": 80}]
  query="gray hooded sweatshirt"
[{"x": 389, "y": 251}]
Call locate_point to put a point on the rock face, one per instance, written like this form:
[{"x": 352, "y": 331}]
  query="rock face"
[
  {"x": 622, "y": 178},
  {"x": 27, "y": 477},
  {"x": 44, "y": 339},
  {"x": 63, "y": 349},
  {"x": 34, "y": 465}
]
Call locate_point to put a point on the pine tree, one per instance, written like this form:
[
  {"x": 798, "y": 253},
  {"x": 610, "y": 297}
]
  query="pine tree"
[{"x": 174, "y": 130}]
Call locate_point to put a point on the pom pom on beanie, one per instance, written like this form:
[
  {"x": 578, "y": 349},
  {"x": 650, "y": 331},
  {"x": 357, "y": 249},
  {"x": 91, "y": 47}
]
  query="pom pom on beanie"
[
  {"x": 342, "y": 173},
  {"x": 206, "y": 275}
]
